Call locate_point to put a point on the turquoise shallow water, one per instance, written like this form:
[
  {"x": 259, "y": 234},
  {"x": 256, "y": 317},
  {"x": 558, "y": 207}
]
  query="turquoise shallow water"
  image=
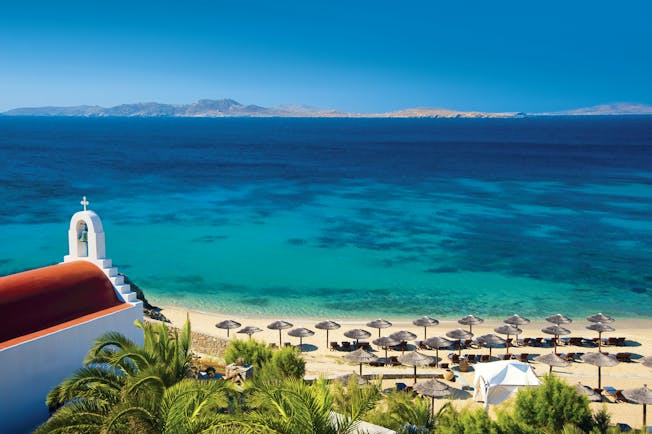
[{"x": 346, "y": 219}]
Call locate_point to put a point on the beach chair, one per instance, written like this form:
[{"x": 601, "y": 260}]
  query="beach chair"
[
  {"x": 612, "y": 341},
  {"x": 537, "y": 342},
  {"x": 624, "y": 357},
  {"x": 569, "y": 357},
  {"x": 455, "y": 358},
  {"x": 273, "y": 346},
  {"x": 471, "y": 358},
  {"x": 346, "y": 345},
  {"x": 615, "y": 394},
  {"x": 524, "y": 357},
  {"x": 393, "y": 360},
  {"x": 524, "y": 341},
  {"x": 443, "y": 365},
  {"x": 507, "y": 357},
  {"x": 485, "y": 358},
  {"x": 620, "y": 342},
  {"x": 564, "y": 341},
  {"x": 335, "y": 346},
  {"x": 623, "y": 427},
  {"x": 401, "y": 387},
  {"x": 287, "y": 344},
  {"x": 576, "y": 341},
  {"x": 422, "y": 346}
]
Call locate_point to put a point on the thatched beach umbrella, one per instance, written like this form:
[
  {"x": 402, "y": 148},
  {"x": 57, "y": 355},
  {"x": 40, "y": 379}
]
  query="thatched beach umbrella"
[
  {"x": 470, "y": 320},
  {"x": 301, "y": 332},
  {"x": 384, "y": 342},
  {"x": 588, "y": 392},
  {"x": 357, "y": 334},
  {"x": 641, "y": 395},
  {"x": 558, "y": 318},
  {"x": 490, "y": 340},
  {"x": 249, "y": 330},
  {"x": 601, "y": 361},
  {"x": 437, "y": 342},
  {"x": 600, "y": 317},
  {"x": 425, "y": 322},
  {"x": 552, "y": 359},
  {"x": 279, "y": 325},
  {"x": 228, "y": 325},
  {"x": 327, "y": 325},
  {"x": 600, "y": 328},
  {"x": 379, "y": 324},
  {"x": 507, "y": 329},
  {"x": 415, "y": 358},
  {"x": 459, "y": 334},
  {"x": 557, "y": 331},
  {"x": 434, "y": 389},
  {"x": 647, "y": 361},
  {"x": 516, "y": 320},
  {"x": 360, "y": 356},
  {"x": 403, "y": 335}
]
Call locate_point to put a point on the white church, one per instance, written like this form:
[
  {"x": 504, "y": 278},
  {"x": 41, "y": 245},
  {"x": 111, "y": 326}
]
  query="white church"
[{"x": 50, "y": 316}]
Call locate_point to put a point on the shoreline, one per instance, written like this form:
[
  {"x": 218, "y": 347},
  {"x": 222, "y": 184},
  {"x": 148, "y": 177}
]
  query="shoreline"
[{"x": 629, "y": 323}]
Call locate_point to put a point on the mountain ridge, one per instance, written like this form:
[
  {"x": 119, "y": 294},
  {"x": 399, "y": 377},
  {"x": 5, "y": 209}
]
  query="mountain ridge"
[{"x": 213, "y": 108}]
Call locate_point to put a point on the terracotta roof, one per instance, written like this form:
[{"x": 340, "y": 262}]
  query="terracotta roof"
[{"x": 47, "y": 297}]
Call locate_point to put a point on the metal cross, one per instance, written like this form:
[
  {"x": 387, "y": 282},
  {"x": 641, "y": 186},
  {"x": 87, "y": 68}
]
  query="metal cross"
[{"x": 84, "y": 202}]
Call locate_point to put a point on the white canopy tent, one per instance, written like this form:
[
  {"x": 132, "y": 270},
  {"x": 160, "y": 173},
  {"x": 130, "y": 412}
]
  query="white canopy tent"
[{"x": 496, "y": 381}]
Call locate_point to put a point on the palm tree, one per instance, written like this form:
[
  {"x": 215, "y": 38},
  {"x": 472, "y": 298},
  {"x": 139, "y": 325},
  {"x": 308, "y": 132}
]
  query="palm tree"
[
  {"x": 294, "y": 407},
  {"x": 127, "y": 387}
]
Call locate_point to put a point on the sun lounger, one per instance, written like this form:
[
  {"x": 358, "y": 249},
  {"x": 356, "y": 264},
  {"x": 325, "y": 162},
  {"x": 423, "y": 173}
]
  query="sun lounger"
[
  {"x": 524, "y": 341},
  {"x": 507, "y": 357},
  {"x": 471, "y": 358},
  {"x": 616, "y": 394},
  {"x": 620, "y": 342},
  {"x": 523, "y": 357},
  {"x": 537, "y": 342},
  {"x": 623, "y": 427},
  {"x": 335, "y": 346},
  {"x": 393, "y": 360},
  {"x": 564, "y": 341},
  {"x": 578, "y": 342},
  {"x": 346, "y": 345},
  {"x": 454, "y": 358},
  {"x": 401, "y": 386},
  {"x": 485, "y": 358},
  {"x": 612, "y": 341},
  {"x": 624, "y": 357}
]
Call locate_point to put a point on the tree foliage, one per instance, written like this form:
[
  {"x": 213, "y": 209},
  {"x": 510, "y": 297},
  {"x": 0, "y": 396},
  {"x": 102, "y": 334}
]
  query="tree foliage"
[{"x": 249, "y": 351}]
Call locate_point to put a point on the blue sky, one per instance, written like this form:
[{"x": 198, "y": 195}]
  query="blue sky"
[{"x": 357, "y": 55}]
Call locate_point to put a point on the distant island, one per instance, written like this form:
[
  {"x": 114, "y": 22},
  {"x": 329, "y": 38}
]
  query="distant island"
[{"x": 208, "y": 108}]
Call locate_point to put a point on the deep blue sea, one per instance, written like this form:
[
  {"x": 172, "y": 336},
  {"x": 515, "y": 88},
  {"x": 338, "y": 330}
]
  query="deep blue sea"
[{"x": 346, "y": 217}]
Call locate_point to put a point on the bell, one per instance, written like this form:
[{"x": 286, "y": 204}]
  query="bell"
[{"x": 83, "y": 236}]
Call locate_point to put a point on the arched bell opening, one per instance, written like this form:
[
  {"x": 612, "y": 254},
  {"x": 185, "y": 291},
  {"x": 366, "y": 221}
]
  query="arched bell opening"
[{"x": 82, "y": 239}]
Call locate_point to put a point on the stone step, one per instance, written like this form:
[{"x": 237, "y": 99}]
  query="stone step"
[
  {"x": 130, "y": 297},
  {"x": 118, "y": 280},
  {"x": 111, "y": 272},
  {"x": 123, "y": 289}
]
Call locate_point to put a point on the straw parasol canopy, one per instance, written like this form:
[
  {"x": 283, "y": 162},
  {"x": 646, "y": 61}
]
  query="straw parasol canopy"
[
  {"x": 647, "y": 361},
  {"x": 557, "y": 331},
  {"x": 403, "y": 335},
  {"x": 415, "y": 358},
  {"x": 600, "y": 328},
  {"x": 459, "y": 334},
  {"x": 434, "y": 389},
  {"x": 228, "y": 325},
  {"x": 385, "y": 341},
  {"x": 360, "y": 356},
  {"x": 490, "y": 340},
  {"x": 437, "y": 342},
  {"x": 641, "y": 395},
  {"x": 327, "y": 325},
  {"x": 249, "y": 330},
  {"x": 601, "y": 361},
  {"x": 470, "y": 320},
  {"x": 588, "y": 392},
  {"x": 379, "y": 324},
  {"x": 425, "y": 322},
  {"x": 516, "y": 320},
  {"x": 558, "y": 318},
  {"x": 600, "y": 317},
  {"x": 279, "y": 325},
  {"x": 357, "y": 334},
  {"x": 552, "y": 359},
  {"x": 508, "y": 329},
  {"x": 301, "y": 332}
]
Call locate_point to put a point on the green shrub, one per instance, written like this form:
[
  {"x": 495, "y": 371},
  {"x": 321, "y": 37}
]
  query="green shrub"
[
  {"x": 289, "y": 362},
  {"x": 467, "y": 421},
  {"x": 552, "y": 406},
  {"x": 249, "y": 351}
]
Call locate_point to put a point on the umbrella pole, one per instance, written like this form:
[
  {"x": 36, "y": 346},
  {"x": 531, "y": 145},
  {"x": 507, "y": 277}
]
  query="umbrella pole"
[
  {"x": 507, "y": 345},
  {"x": 644, "y": 416},
  {"x": 301, "y": 345},
  {"x": 361, "y": 369},
  {"x": 550, "y": 371},
  {"x": 599, "y": 377},
  {"x": 378, "y": 332},
  {"x": 279, "y": 338},
  {"x": 432, "y": 407},
  {"x": 415, "y": 374},
  {"x": 326, "y": 338},
  {"x": 599, "y": 342},
  {"x": 227, "y": 332},
  {"x": 425, "y": 333},
  {"x": 555, "y": 344},
  {"x": 437, "y": 361}
]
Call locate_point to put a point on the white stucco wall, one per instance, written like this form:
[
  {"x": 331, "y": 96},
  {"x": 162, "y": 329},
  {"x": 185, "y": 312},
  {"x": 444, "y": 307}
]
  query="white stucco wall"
[{"x": 31, "y": 369}]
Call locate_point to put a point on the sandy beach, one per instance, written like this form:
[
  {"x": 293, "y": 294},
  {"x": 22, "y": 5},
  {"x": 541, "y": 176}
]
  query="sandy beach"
[{"x": 322, "y": 361}]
